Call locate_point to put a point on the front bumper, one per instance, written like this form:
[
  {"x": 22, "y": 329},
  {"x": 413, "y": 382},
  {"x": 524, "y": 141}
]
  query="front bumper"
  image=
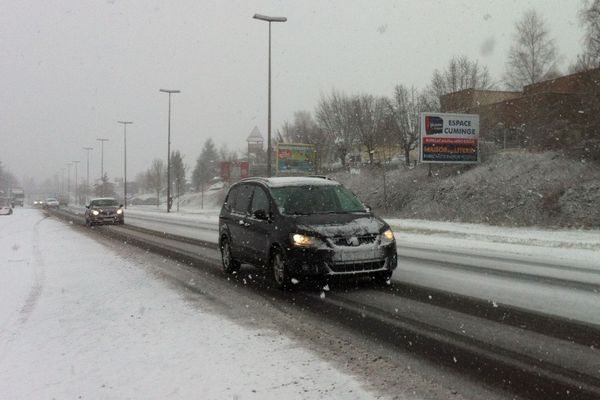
[
  {"x": 106, "y": 219},
  {"x": 342, "y": 261}
]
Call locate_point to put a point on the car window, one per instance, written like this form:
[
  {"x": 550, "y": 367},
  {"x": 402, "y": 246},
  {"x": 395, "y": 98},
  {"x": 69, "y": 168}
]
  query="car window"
[
  {"x": 260, "y": 200},
  {"x": 239, "y": 199}
]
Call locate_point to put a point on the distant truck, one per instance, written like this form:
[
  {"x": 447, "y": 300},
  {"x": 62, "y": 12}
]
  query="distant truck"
[{"x": 18, "y": 197}]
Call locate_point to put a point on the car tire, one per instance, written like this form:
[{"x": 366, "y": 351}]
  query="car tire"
[
  {"x": 279, "y": 271},
  {"x": 230, "y": 265}
]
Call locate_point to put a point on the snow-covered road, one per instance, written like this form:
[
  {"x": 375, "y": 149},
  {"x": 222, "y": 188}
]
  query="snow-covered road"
[
  {"x": 79, "y": 321},
  {"x": 535, "y": 269}
]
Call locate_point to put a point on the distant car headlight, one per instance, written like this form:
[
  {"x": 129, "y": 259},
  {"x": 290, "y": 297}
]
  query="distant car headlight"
[
  {"x": 387, "y": 236},
  {"x": 119, "y": 211},
  {"x": 301, "y": 240},
  {"x": 95, "y": 212}
]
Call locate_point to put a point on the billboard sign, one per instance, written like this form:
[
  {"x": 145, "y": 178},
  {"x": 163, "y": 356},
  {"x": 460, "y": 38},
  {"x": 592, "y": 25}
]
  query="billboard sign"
[
  {"x": 449, "y": 138},
  {"x": 233, "y": 171},
  {"x": 295, "y": 158}
]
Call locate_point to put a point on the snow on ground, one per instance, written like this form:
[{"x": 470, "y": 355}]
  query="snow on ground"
[{"x": 79, "y": 321}]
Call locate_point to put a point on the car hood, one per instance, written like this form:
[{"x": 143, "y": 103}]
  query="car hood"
[
  {"x": 331, "y": 225},
  {"x": 104, "y": 208}
]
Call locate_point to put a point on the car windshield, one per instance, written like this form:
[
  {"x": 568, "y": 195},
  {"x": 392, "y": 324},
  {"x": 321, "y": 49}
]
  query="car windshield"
[
  {"x": 316, "y": 199},
  {"x": 104, "y": 203}
]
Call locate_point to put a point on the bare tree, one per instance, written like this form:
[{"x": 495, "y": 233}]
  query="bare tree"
[
  {"x": 460, "y": 74},
  {"x": 404, "y": 117},
  {"x": 533, "y": 57},
  {"x": 334, "y": 117},
  {"x": 369, "y": 118},
  {"x": 589, "y": 16}
]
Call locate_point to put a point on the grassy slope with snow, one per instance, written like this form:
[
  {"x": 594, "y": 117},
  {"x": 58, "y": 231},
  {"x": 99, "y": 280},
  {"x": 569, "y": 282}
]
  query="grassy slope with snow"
[{"x": 511, "y": 188}]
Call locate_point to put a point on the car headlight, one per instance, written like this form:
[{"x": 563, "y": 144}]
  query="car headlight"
[
  {"x": 119, "y": 211},
  {"x": 301, "y": 240},
  {"x": 95, "y": 212},
  {"x": 387, "y": 236}
]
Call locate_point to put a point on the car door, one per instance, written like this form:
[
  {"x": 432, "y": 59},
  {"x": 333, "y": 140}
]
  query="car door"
[
  {"x": 259, "y": 227},
  {"x": 238, "y": 204}
]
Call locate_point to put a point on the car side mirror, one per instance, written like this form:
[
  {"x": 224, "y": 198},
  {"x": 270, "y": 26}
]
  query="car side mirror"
[
  {"x": 261, "y": 214},
  {"x": 88, "y": 206},
  {"x": 121, "y": 206},
  {"x": 368, "y": 208}
]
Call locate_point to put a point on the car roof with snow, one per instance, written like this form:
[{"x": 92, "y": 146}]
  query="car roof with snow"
[{"x": 283, "y": 181}]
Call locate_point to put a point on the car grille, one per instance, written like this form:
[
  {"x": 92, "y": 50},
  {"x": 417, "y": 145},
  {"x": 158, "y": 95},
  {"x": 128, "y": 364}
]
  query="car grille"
[
  {"x": 358, "y": 267},
  {"x": 351, "y": 241}
]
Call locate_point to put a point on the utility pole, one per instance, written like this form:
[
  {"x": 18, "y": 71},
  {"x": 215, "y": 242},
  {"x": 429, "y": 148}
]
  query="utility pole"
[
  {"x": 170, "y": 92},
  {"x": 87, "y": 180},
  {"x": 76, "y": 183},
  {"x": 101, "y": 140},
  {"x": 269, "y": 20},
  {"x": 125, "y": 123},
  {"x": 68, "y": 181}
]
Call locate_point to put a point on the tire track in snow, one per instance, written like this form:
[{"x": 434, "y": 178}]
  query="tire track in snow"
[{"x": 39, "y": 276}]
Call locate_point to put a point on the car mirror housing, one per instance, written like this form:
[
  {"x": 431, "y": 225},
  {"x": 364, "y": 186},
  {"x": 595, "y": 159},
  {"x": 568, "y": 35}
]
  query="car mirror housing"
[{"x": 261, "y": 214}]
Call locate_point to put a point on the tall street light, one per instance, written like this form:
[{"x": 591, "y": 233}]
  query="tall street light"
[
  {"x": 102, "y": 140},
  {"x": 87, "y": 181},
  {"x": 68, "y": 181},
  {"x": 169, "y": 91},
  {"x": 125, "y": 123},
  {"x": 269, "y": 20},
  {"x": 76, "y": 187}
]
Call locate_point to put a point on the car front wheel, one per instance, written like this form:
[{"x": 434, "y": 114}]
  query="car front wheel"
[
  {"x": 230, "y": 265},
  {"x": 279, "y": 270}
]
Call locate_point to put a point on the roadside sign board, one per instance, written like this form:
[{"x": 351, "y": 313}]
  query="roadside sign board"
[
  {"x": 295, "y": 158},
  {"x": 449, "y": 138}
]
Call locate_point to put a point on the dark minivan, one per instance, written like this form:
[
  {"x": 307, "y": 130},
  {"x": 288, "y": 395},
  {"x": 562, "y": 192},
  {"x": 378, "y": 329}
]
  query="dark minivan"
[{"x": 303, "y": 226}]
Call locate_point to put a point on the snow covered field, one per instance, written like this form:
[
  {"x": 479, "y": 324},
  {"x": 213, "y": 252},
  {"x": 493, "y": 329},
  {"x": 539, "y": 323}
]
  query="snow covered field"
[{"x": 79, "y": 321}]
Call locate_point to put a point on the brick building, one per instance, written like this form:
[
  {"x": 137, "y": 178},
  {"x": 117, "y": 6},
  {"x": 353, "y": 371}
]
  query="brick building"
[{"x": 561, "y": 113}]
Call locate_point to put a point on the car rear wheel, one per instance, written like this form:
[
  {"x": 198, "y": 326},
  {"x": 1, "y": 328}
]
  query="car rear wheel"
[
  {"x": 279, "y": 272},
  {"x": 230, "y": 265}
]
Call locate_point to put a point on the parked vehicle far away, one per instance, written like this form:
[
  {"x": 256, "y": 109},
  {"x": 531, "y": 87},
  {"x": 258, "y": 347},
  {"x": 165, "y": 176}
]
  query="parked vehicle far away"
[
  {"x": 300, "y": 227},
  {"x": 51, "y": 202},
  {"x": 5, "y": 206},
  {"x": 104, "y": 210}
]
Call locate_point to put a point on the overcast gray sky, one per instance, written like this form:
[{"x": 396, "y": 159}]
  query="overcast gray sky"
[{"x": 70, "y": 69}]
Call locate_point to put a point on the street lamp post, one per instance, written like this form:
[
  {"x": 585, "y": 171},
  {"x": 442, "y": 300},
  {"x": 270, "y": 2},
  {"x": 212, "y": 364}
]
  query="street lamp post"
[
  {"x": 125, "y": 123},
  {"x": 170, "y": 92},
  {"x": 68, "y": 181},
  {"x": 269, "y": 20},
  {"x": 76, "y": 186},
  {"x": 101, "y": 140},
  {"x": 87, "y": 180}
]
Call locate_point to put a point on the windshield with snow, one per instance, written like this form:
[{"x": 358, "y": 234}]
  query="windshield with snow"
[
  {"x": 316, "y": 199},
  {"x": 104, "y": 203}
]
